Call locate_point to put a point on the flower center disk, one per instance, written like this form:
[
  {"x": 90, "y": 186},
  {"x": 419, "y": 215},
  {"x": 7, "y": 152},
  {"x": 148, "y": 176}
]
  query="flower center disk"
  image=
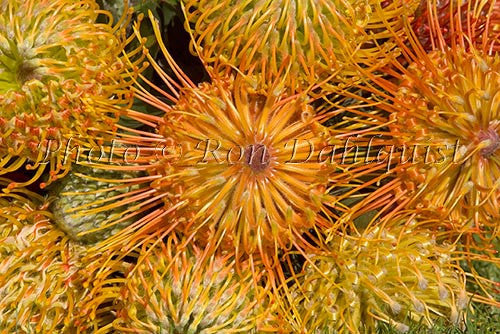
[{"x": 257, "y": 157}]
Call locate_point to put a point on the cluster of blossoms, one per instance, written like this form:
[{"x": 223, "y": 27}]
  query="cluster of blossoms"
[{"x": 338, "y": 169}]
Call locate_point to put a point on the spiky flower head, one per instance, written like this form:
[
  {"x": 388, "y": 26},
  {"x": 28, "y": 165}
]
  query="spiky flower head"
[
  {"x": 236, "y": 167},
  {"x": 239, "y": 169},
  {"x": 300, "y": 42},
  {"x": 40, "y": 284},
  {"x": 244, "y": 169},
  {"x": 444, "y": 124},
  {"x": 61, "y": 76},
  {"x": 184, "y": 290},
  {"x": 389, "y": 274},
  {"x": 455, "y": 109}
]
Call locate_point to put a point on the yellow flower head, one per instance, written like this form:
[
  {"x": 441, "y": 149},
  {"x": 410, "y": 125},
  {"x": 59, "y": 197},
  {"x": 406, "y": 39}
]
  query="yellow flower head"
[
  {"x": 454, "y": 108},
  {"x": 61, "y": 76},
  {"x": 301, "y": 43},
  {"x": 390, "y": 273},
  {"x": 244, "y": 169},
  {"x": 174, "y": 289}
]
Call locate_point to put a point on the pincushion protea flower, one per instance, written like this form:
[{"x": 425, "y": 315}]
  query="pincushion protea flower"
[
  {"x": 61, "y": 77},
  {"x": 445, "y": 112},
  {"x": 300, "y": 43},
  {"x": 390, "y": 274},
  {"x": 40, "y": 282},
  {"x": 186, "y": 290},
  {"x": 235, "y": 167},
  {"x": 246, "y": 189},
  {"x": 465, "y": 123}
]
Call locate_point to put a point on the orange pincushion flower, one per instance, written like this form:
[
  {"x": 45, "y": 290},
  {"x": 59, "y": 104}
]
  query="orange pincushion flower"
[
  {"x": 484, "y": 21},
  {"x": 247, "y": 185},
  {"x": 300, "y": 43},
  {"x": 61, "y": 76},
  {"x": 231, "y": 174},
  {"x": 444, "y": 110},
  {"x": 455, "y": 107},
  {"x": 231, "y": 165}
]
